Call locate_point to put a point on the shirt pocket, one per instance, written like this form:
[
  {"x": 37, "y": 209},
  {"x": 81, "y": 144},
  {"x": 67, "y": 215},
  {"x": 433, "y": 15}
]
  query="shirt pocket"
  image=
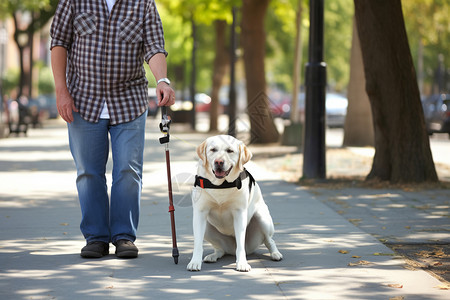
[
  {"x": 85, "y": 23},
  {"x": 131, "y": 30}
]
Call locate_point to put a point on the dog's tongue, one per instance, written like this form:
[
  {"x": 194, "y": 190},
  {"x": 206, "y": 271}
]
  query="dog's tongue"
[{"x": 220, "y": 173}]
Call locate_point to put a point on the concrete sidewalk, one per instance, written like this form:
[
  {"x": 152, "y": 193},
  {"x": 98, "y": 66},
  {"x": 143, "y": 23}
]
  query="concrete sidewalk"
[{"x": 325, "y": 255}]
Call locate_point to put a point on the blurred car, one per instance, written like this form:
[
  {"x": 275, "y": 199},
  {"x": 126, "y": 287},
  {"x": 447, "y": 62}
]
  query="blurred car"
[
  {"x": 47, "y": 105},
  {"x": 436, "y": 109},
  {"x": 335, "y": 108},
  {"x": 202, "y": 102},
  {"x": 279, "y": 103}
]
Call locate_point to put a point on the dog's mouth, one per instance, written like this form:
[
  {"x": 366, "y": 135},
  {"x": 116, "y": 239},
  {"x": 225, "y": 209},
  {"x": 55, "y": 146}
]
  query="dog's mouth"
[{"x": 221, "y": 173}]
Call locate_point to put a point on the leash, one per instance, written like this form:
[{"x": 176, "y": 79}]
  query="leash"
[{"x": 164, "y": 126}]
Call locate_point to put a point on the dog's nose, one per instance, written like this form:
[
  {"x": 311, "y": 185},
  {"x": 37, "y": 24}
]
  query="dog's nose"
[{"x": 218, "y": 163}]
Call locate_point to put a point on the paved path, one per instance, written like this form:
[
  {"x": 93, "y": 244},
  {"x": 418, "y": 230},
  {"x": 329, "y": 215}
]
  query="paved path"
[{"x": 325, "y": 255}]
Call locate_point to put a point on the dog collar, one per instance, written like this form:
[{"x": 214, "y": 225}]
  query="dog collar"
[{"x": 207, "y": 184}]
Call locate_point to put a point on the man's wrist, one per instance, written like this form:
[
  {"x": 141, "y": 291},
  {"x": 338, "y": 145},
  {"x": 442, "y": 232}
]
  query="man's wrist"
[{"x": 165, "y": 80}]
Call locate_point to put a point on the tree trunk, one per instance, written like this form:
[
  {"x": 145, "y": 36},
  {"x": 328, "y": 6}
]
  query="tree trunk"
[
  {"x": 402, "y": 148},
  {"x": 253, "y": 41},
  {"x": 221, "y": 62},
  {"x": 22, "y": 76},
  {"x": 358, "y": 128},
  {"x": 295, "y": 117}
]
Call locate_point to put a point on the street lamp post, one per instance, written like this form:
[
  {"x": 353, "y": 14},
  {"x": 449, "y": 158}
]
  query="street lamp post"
[
  {"x": 314, "y": 164},
  {"x": 232, "y": 92},
  {"x": 3, "y": 41}
]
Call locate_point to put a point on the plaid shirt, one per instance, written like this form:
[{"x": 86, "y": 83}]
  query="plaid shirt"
[{"x": 106, "y": 54}]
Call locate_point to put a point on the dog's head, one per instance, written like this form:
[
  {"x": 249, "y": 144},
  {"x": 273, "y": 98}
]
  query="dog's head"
[{"x": 223, "y": 157}]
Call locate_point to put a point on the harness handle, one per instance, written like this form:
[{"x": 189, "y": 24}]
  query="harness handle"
[{"x": 164, "y": 126}]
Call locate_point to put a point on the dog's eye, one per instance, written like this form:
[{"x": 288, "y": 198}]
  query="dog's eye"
[
  {"x": 213, "y": 150},
  {"x": 230, "y": 150}
]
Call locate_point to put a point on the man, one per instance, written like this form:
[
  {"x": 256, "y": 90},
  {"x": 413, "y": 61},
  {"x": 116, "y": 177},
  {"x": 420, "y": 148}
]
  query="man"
[{"x": 98, "y": 49}]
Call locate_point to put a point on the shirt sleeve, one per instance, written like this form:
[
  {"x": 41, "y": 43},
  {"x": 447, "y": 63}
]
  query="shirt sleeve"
[
  {"x": 153, "y": 32},
  {"x": 61, "y": 29}
]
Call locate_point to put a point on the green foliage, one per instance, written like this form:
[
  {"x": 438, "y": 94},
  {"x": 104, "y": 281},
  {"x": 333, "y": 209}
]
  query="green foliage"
[
  {"x": 280, "y": 26},
  {"x": 177, "y": 16},
  {"x": 9, "y": 7},
  {"x": 10, "y": 80},
  {"x": 338, "y": 42},
  {"x": 46, "y": 83},
  {"x": 280, "y": 29},
  {"x": 427, "y": 22}
]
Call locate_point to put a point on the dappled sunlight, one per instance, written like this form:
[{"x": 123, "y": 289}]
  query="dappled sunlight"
[
  {"x": 42, "y": 246},
  {"x": 326, "y": 254},
  {"x": 380, "y": 196}
]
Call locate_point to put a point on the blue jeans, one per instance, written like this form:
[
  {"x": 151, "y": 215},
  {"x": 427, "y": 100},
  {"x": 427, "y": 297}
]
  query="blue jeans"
[{"x": 101, "y": 219}]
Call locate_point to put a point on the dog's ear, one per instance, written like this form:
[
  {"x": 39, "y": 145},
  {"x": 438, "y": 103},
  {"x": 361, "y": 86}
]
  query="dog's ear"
[
  {"x": 201, "y": 152},
  {"x": 244, "y": 156}
]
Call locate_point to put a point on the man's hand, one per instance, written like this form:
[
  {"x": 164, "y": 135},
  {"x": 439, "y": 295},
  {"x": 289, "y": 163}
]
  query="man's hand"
[
  {"x": 165, "y": 94},
  {"x": 64, "y": 101},
  {"x": 65, "y": 105}
]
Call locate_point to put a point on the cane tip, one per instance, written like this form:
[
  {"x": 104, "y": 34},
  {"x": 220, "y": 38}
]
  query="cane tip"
[{"x": 175, "y": 255}]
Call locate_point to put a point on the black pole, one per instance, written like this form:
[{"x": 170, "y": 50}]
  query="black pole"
[
  {"x": 232, "y": 92},
  {"x": 314, "y": 164},
  {"x": 193, "y": 73}
]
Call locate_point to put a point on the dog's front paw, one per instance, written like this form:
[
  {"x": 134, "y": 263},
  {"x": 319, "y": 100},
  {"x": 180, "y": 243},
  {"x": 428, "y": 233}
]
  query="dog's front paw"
[
  {"x": 194, "y": 265},
  {"x": 276, "y": 256},
  {"x": 211, "y": 258},
  {"x": 243, "y": 267}
]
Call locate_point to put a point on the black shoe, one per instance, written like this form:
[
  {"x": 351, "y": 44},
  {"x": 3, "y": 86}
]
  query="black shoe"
[
  {"x": 126, "y": 249},
  {"x": 95, "y": 250}
]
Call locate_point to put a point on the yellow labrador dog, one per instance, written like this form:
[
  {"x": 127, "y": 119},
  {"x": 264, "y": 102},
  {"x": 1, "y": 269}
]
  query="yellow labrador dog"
[{"x": 229, "y": 210}]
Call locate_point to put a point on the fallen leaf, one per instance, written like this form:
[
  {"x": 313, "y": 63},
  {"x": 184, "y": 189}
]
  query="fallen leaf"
[
  {"x": 443, "y": 287},
  {"x": 356, "y": 256},
  {"x": 408, "y": 227},
  {"x": 355, "y": 221},
  {"x": 343, "y": 251},
  {"x": 395, "y": 285},
  {"x": 64, "y": 224},
  {"x": 383, "y": 254},
  {"x": 359, "y": 263},
  {"x": 397, "y": 298}
]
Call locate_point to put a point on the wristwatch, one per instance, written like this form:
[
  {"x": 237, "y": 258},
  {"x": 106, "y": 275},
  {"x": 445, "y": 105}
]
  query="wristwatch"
[{"x": 166, "y": 80}]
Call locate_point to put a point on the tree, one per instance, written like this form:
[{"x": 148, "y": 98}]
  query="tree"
[
  {"x": 428, "y": 30},
  {"x": 210, "y": 17},
  {"x": 358, "y": 128},
  {"x": 402, "y": 149},
  {"x": 253, "y": 41},
  {"x": 220, "y": 68},
  {"x": 39, "y": 12}
]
